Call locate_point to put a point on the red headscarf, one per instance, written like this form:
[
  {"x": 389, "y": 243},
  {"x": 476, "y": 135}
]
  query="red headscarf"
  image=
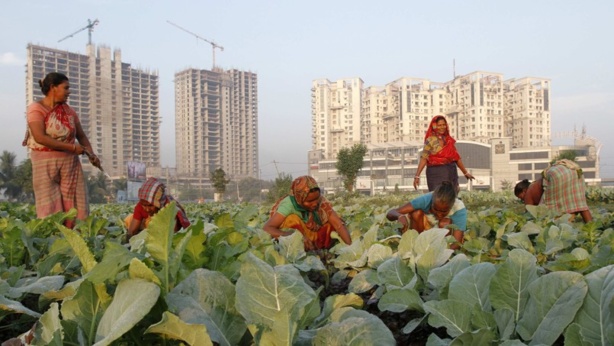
[
  {"x": 432, "y": 130},
  {"x": 448, "y": 153}
]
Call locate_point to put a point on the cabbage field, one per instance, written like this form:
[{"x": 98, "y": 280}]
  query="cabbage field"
[{"x": 521, "y": 278}]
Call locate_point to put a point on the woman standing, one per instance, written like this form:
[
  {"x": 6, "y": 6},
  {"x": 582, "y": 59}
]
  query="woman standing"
[
  {"x": 439, "y": 156},
  {"x": 53, "y": 131},
  {"x": 307, "y": 211}
]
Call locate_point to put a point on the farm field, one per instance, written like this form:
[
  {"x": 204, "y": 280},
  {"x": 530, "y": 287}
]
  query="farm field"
[{"x": 520, "y": 278}]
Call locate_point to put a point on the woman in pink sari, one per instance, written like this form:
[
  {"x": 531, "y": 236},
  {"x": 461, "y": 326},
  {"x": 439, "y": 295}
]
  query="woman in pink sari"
[{"x": 53, "y": 132}]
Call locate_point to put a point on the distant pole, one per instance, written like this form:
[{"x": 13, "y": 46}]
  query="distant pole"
[
  {"x": 453, "y": 68},
  {"x": 275, "y": 162}
]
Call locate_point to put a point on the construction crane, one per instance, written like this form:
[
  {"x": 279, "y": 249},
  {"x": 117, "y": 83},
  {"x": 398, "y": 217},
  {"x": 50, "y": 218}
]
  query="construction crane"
[
  {"x": 213, "y": 44},
  {"x": 90, "y": 27}
]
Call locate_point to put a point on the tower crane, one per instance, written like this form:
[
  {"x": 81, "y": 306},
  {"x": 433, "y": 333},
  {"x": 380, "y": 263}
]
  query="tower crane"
[
  {"x": 213, "y": 44},
  {"x": 90, "y": 27}
]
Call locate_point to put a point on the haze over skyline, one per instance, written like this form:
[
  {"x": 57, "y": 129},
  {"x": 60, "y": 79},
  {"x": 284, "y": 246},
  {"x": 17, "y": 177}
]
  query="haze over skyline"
[{"x": 289, "y": 44}]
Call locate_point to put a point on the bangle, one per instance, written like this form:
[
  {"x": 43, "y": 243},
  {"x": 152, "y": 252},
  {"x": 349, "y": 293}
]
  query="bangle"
[{"x": 416, "y": 177}]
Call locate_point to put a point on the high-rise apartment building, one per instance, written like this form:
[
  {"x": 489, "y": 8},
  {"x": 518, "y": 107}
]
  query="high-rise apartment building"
[
  {"x": 478, "y": 106},
  {"x": 118, "y": 105},
  {"x": 216, "y": 123},
  {"x": 336, "y": 110}
]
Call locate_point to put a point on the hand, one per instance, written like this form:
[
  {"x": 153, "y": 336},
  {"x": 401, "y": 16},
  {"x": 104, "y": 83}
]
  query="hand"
[
  {"x": 94, "y": 160},
  {"x": 469, "y": 176},
  {"x": 404, "y": 220},
  {"x": 416, "y": 182}
]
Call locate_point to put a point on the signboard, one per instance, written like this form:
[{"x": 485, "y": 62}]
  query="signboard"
[{"x": 136, "y": 171}]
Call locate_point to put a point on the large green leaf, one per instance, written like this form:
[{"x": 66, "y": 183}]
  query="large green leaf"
[
  {"x": 15, "y": 306},
  {"x": 400, "y": 300},
  {"x": 430, "y": 251},
  {"x": 80, "y": 248},
  {"x": 351, "y": 327},
  {"x": 377, "y": 254},
  {"x": 272, "y": 298},
  {"x": 394, "y": 273},
  {"x": 335, "y": 302},
  {"x": 471, "y": 285},
  {"x": 132, "y": 301},
  {"x": 85, "y": 308},
  {"x": 159, "y": 241},
  {"x": 114, "y": 259},
  {"x": 49, "y": 329},
  {"x": 363, "y": 281},
  {"x": 174, "y": 328},
  {"x": 595, "y": 318},
  {"x": 554, "y": 300},
  {"x": 440, "y": 277},
  {"x": 454, "y": 315},
  {"x": 208, "y": 298},
  {"x": 292, "y": 247},
  {"x": 36, "y": 285},
  {"x": 508, "y": 287}
]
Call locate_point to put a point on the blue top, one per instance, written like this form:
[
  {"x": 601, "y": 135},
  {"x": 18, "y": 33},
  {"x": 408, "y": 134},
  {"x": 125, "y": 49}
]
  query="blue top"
[{"x": 458, "y": 212}]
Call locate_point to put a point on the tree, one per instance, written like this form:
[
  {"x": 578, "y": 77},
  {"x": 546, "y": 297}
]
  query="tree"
[
  {"x": 24, "y": 180},
  {"x": 280, "y": 188},
  {"x": 219, "y": 181},
  {"x": 349, "y": 163},
  {"x": 8, "y": 175},
  {"x": 97, "y": 188},
  {"x": 566, "y": 154}
]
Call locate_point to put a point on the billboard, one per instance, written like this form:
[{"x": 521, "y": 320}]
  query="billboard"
[
  {"x": 136, "y": 171},
  {"x": 136, "y": 178}
]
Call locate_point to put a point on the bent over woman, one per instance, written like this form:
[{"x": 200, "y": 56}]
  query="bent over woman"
[
  {"x": 153, "y": 197},
  {"x": 561, "y": 188},
  {"x": 53, "y": 132},
  {"x": 307, "y": 211},
  {"x": 439, "y": 208}
]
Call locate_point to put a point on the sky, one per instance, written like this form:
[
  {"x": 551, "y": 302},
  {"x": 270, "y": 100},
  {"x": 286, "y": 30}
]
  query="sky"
[{"x": 291, "y": 43}]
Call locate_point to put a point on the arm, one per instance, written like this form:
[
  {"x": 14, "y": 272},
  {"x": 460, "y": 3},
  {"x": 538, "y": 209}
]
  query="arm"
[
  {"x": 421, "y": 165},
  {"x": 134, "y": 227},
  {"x": 396, "y": 214},
  {"x": 340, "y": 227},
  {"x": 461, "y": 166},
  {"x": 272, "y": 226},
  {"x": 459, "y": 236},
  {"x": 85, "y": 142},
  {"x": 37, "y": 129}
]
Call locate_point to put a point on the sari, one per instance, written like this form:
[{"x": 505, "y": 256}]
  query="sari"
[
  {"x": 57, "y": 176},
  {"x": 563, "y": 186},
  {"x": 440, "y": 160}
]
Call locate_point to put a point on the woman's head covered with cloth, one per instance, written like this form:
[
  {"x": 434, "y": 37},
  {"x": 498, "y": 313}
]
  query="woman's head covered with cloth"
[{"x": 153, "y": 192}]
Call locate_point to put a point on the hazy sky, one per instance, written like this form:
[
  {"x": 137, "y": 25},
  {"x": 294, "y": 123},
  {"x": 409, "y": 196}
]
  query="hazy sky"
[{"x": 290, "y": 43}]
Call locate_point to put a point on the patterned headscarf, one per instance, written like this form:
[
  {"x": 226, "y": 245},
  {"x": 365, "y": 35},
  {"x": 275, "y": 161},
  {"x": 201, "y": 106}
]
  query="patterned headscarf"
[
  {"x": 153, "y": 191},
  {"x": 301, "y": 187},
  {"x": 432, "y": 130}
]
